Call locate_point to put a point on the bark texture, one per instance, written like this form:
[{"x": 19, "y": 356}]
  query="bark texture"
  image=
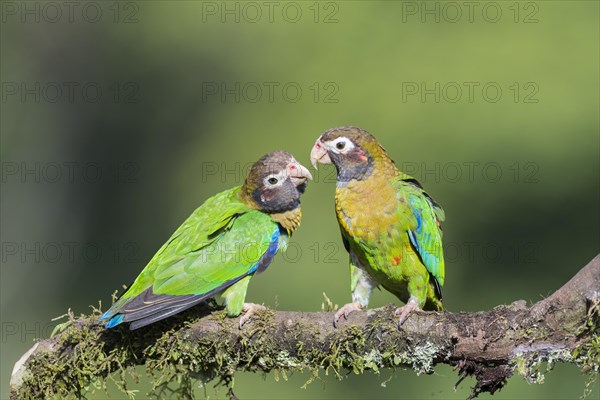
[{"x": 204, "y": 344}]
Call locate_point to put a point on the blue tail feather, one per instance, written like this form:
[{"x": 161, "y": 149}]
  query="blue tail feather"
[
  {"x": 106, "y": 315},
  {"x": 114, "y": 321}
]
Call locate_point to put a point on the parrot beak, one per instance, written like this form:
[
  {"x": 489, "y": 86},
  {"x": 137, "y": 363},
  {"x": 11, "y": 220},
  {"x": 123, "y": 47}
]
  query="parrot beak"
[
  {"x": 319, "y": 154},
  {"x": 298, "y": 173}
]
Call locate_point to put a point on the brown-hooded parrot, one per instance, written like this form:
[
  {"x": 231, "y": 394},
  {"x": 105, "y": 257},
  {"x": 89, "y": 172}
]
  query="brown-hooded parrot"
[
  {"x": 390, "y": 226},
  {"x": 220, "y": 247}
]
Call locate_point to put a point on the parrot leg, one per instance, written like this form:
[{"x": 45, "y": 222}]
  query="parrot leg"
[
  {"x": 361, "y": 285},
  {"x": 234, "y": 296},
  {"x": 249, "y": 310},
  {"x": 345, "y": 311},
  {"x": 406, "y": 310}
]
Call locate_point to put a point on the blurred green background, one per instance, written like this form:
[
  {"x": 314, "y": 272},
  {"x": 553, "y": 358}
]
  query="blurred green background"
[{"x": 119, "y": 118}]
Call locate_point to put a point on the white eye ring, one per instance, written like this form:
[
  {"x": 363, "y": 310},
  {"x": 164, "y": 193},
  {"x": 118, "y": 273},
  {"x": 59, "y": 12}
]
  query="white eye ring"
[
  {"x": 341, "y": 145},
  {"x": 274, "y": 180}
]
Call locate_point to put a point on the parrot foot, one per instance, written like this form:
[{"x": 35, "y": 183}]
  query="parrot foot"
[
  {"x": 345, "y": 311},
  {"x": 405, "y": 311},
  {"x": 250, "y": 309}
]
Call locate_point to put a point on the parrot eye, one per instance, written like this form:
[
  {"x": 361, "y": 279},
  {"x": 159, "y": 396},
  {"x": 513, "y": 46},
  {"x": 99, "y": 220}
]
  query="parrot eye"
[
  {"x": 342, "y": 145},
  {"x": 274, "y": 180}
]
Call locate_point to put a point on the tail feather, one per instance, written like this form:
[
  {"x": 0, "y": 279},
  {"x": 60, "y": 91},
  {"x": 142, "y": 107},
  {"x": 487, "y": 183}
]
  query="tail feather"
[
  {"x": 148, "y": 307},
  {"x": 114, "y": 321},
  {"x": 138, "y": 308},
  {"x": 165, "y": 313}
]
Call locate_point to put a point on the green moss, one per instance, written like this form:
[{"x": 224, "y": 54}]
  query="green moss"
[
  {"x": 177, "y": 364},
  {"x": 587, "y": 355},
  {"x": 83, "y": 368}
]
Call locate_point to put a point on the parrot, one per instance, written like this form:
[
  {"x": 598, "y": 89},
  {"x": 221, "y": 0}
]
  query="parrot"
[
  {"x": 218, "y": 249},
  {"x": 390, "y": 226}
]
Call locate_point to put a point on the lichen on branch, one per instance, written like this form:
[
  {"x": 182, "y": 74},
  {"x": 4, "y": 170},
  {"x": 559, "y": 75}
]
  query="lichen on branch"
[{"x": 203, "y": 344}]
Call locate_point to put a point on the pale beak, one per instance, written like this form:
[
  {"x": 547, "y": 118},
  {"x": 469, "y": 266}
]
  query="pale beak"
[
  {"x": 298, "y": 173},
  {"x": 319, "y": 154}
]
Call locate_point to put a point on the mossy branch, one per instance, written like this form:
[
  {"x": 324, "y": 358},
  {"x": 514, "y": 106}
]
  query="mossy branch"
[{"x": 204, "y": 344}]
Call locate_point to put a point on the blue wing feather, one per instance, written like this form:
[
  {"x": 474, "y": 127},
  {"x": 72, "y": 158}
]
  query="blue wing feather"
[
  {"x": 426, "y": 236},
  {"x": 268, "y": 255}
]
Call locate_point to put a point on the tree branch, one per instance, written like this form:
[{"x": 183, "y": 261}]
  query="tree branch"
[{"x": 489, "y": 345}]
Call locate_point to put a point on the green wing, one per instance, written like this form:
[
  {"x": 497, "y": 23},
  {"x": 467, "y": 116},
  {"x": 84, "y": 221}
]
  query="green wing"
[
  {"x": 424, "y": 228},
  {"x": 220, "y": 243},
  {"x": 234, "y": 253}
]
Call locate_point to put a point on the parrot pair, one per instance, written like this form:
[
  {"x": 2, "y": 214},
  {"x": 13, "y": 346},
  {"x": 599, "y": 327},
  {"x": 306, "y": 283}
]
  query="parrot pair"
[{"x": 390, "y": 227}]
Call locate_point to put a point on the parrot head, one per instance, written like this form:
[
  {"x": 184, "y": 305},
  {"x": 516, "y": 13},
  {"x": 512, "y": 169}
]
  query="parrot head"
[
  {"x": 352, "y": 150},
  {"x": 275, "y": 182}
]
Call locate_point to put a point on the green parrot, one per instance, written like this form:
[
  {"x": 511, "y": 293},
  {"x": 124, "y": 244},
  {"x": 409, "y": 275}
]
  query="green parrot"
[
  {"x": 390, "y": 226},
  {"x": 218, "y": 249}
]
